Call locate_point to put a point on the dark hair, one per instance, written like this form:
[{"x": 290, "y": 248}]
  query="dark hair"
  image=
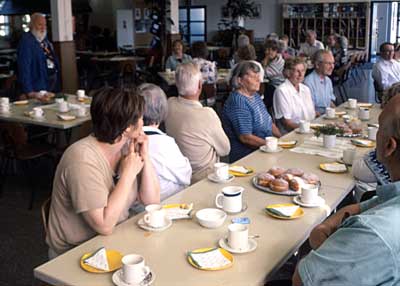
[
  {"x": 382, "y": 46},
  {"x": 272, "y": 44},
  {"x": 199, "y": 50},
  {"x": 113, "y": 110},
  {"x": 246, "y": 53},
  {"x": 177, "y": 42}
]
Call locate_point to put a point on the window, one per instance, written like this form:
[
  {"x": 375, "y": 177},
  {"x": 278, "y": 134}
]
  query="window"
[
  {"x": 25, "y": 22},
  {"x": 4, "y": 26},
  {"x": 192, "y": 23}
]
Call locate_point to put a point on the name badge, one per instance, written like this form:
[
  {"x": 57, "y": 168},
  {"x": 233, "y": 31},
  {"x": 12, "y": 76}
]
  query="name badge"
[{"x": 50, "y": 64}]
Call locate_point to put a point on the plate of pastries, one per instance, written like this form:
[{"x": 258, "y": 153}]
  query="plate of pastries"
[{"x": 286, "y": 182}]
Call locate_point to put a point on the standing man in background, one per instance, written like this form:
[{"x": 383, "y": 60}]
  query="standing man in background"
[{"x": 38, "y": 67}]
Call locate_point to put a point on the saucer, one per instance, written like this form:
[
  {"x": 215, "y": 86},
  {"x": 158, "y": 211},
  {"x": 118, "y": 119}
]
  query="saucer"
[
  {"x": 264, "y": 149},
  {"x": 244, "y": 208},
  {"x": 297, "y": 130},
  {"x": 329, "y": 118},
  {"x": 318, "y": 202},
  {"x": 117, "y": 279},
  {"x": 145, "y": 226},
  {"x": 223, "y": 242},
  {"x": 212, "y": 177}
]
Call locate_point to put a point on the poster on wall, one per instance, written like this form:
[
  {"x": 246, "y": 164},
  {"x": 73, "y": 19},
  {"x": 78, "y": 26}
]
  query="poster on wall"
[
  {"x": 138, "y": 14},
  {"x": 125, "y": 26}
]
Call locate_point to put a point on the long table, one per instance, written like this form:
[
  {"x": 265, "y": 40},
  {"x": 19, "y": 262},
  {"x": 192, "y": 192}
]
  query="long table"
[{"x": 165, "y": 252}]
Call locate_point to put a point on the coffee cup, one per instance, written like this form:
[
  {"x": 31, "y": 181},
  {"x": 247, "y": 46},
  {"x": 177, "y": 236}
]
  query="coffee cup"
[
  {"x": 80, "y": 93},
  {"x": 352, "y": 103},
  {"x": 221, "y": 171},
  {"x": 80, "y": 111},
  {"x": 304, "y": 126},
  {"x": 4, "y": 101},
  {"x": 330, "y": 112},
  {"x": 63, "y": 106},
  {"x": 271, "y": 143},
  {"x": 155, "y": 216},
  {"x": 230, "y": 200},
  {"x": 309, "y": 193},
  {"x": 363, "y": 114},
  {"x": 372, "y": 133},
  {"x": 134, "y": 269},
  {"x": 38, "y": 112},
  {"x": 348, "y": 156},
  {"x": 238, "y": 236}
]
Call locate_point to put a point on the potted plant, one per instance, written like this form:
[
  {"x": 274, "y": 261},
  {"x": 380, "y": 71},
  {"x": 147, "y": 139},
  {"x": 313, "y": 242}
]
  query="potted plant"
[{"x": 329, "y": 133}]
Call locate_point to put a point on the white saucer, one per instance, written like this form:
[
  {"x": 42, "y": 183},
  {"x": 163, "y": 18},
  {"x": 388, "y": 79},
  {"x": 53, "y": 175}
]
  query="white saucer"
[
  {"x": 117, "y": 279},
  {"x": 318, "y": 202},
  {"x": 145, "y": 226},
  {"x": 223, "y": 242},
  {"x": 264, "y": 149},
  {"x": 244, "y": 208},
  {"x": 212, "y": 177},
  {"x": 297, "y": 130}
]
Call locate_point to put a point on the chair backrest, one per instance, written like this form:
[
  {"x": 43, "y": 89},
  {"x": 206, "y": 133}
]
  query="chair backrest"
[
  {"x": 209, "y": 90},
  {"x": 45, "y": 211}
]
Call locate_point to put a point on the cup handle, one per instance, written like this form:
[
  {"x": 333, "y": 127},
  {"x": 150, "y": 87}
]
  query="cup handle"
[
  {"x": 146, "y": 271},
  {"x": 146, "y": 218},
  {"x": 217, "y": 201}
]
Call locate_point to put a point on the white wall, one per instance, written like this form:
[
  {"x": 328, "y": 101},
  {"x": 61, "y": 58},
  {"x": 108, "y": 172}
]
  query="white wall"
[{"x": 270, "y": 20}]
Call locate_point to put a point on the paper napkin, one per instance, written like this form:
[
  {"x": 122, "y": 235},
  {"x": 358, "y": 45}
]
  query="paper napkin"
[
  {"x": 98, "y": 260},
  {"x": 209, "y": 259},
  {"x": 239, "y": 169},
  {"x": 285, "y": 211}
]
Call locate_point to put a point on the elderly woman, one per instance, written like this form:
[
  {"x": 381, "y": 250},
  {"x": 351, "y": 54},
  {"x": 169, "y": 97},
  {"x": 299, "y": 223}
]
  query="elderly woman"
[
  {"x": 208, "y": 69},
  {"x": 100, "y": 176},
  {"x": 177, "y": 57},
  {"x": 292, "y": 99},
  {"x": 245, "y": 119},
  {"x": 173, "y": 169}
]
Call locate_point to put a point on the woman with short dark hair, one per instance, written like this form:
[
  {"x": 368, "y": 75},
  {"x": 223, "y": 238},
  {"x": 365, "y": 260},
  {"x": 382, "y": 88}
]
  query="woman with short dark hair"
[
  {"x": 177, "y": 57},
  {"x": 102, "y": 175}
]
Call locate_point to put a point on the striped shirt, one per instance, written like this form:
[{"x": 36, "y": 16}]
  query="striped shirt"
[
  {"x": 274, "y": 71},
  {"x": 244, "y": 115}
]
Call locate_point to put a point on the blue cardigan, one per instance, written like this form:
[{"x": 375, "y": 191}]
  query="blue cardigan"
[{"x": 32, "y": 65}]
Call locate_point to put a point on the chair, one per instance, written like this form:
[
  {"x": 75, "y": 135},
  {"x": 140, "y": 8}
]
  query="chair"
[
  {"x": 341, "y": 76},
  {"x": 208, "y": 94},
  {"x": 45, "y": 211},
  {"x": 14, "y": 147}
]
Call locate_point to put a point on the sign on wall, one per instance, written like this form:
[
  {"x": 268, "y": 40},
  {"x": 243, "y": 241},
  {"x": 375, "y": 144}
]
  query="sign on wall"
[{"x": 125, "y": 28}]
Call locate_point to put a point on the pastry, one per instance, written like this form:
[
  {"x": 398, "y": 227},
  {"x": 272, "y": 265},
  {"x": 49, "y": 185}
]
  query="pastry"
[
  {"x": 287, "y": 177},
  {"x": 276, "y": 171},
  {"x": 295, "y": 172},
  {"x": 296, "y": 184},
  {"x": 279, "y": 185},
  {"x": 310, "y": 178},
  {"x": 263, "y": 179}
]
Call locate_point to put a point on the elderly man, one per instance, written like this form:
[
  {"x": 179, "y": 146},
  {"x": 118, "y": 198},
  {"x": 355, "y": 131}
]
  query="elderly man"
[
  {"x": 359, "y": 245},
  {"x": 338, "y": 45},
  {"x": 319, "y": 82},
  {"x": 38, "y": 68},
  {"x": 311, "y": 45},
  {"x": 196, "y": 129},
  {"x": 387, "y": 70},
  {"x": 172, "y": 168}
]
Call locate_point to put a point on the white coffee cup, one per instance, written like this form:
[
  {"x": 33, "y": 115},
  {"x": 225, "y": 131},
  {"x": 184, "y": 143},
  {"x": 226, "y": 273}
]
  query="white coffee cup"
[
  {"x": 134, "y": 269},
  {"x": 4, "y": 101},
  {"x": 238, "y": 236},
  {"x": 4, "y": 108},
  {"x": 348, "y": 156},
  {"x": 372, "y": 131},
  {"x": 230, "y": 200},
  {"x": 352, "y": 103},
  {"x": 42, "y": 93},
  {"x": 304, "y": 126},
  {"x": 271, "y": 143},
  {"x": 221, "y": 171},
  {"x": 80, "y": 111},
  {"x": 38, "y": 112},
  {"x": 80, "y": 93},
  {"x": 155, "y": 216},
  {"x": 330, "y": 112},
  {"x": 63, "y": 106},
  {"x": 309, "y": 193},
  {"x": 363, "y": 114}
]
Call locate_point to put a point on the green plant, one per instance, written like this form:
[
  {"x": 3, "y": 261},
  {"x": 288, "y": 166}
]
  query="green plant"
[
  {"x": 328, "y": 129},
  {"x": 239, "y": 8}
]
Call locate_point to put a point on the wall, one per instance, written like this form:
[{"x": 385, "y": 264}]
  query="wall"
[
  {"x": 270, "y": 20},
  {"x": 104, "y": 12}
]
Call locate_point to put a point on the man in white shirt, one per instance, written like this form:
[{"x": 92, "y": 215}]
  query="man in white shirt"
[
  {"x": 319, "y": 82},
  {"x": 386, "y": 71},
  {"x": 311, "y": 45},
  {"x": 292, "y": 99}
]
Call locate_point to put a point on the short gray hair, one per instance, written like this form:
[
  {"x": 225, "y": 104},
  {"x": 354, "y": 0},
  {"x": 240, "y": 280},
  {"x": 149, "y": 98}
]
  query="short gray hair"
[
  {"x": 311, "y": 32},
  {"x": 187, "y": 78},
  {"x": 156, "y": 105},
  {"x": 243, "y": 40},
  {"x": 34, "y": 18},
  {"x": 240, "y": 70},
  {"x": 318, "y": 57}
]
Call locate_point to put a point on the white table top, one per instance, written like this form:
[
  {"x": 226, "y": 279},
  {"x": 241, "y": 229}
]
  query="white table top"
[
  {"x": 18, "y": 114},
  {"x": 165, "y": 252}
]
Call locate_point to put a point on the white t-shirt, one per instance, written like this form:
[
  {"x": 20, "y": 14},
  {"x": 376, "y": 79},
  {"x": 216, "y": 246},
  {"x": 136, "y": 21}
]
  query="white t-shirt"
[
  {"x": 310, "y": 50},
  {"x": 386, "y": 73},
  {"x": 293, "y": 105}
]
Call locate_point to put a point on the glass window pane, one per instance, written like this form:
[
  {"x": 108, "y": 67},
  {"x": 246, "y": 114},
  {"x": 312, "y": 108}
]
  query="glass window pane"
[
  {"x": 2, "y": 19},
  {"x": 197, "y": 28},
  {"x": 197, "y": 38},
  {"x": 26, "y": 18},
  {"x": 183, "y": 28},
  {"x": 182, "y": 15},
  {"x": 197, "y": 14}
]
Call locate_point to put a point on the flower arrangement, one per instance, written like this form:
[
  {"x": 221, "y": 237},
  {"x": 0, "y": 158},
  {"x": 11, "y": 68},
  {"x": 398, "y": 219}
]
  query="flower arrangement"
[{"x": 328, "y": 129}]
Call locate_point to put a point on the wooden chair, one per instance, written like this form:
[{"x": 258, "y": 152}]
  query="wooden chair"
[
  {"x": 208, "y": 94},
  {"x": 45, "y": 211}
]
